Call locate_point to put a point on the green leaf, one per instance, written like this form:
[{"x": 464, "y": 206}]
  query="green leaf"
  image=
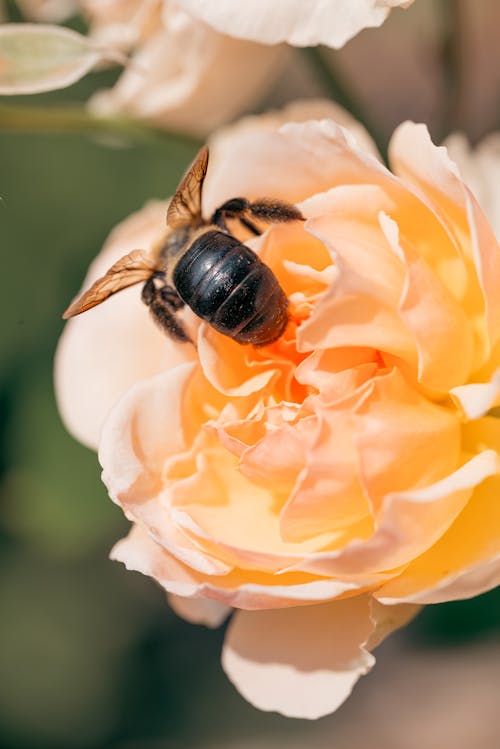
[{"x": 40, "y": 57}]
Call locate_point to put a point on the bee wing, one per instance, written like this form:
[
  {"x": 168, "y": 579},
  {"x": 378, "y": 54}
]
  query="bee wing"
[
  {"x": 133, "y": 268},
  {"x": 186, "y": 203}
]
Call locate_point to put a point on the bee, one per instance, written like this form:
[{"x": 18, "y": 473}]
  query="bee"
[{"x": 199, "y": 263}]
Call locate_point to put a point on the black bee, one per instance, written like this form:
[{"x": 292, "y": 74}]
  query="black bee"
[{"x": 201, "y": 264}]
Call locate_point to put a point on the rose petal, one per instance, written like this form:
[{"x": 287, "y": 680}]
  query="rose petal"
[
  {"x": 144, "y": 427},
  {"x": 293, "y": 21},
  {"x": 303, "y": 662},
  {"x": 443, "y": 334},
  {"x": 398, "y": 427},
  {"x": 466, "y": 560},
  {"x": 411, "y": 523},
  {"x": 236, "y": 518},
  {"x": 139, "y": 552},
  {"x": 360, "y": 308},
  {"x": 226, "y": 369},
  {"x": 199, "y": 610},
  {"x": 436, "y": 178},
  {"x": 328, "y": 495}
]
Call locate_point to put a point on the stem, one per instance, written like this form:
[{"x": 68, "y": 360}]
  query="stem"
[
  {"x": 76, "y": 119},
  {"x": 452, "y": 63},
  {"x": 339, "y": 92}
]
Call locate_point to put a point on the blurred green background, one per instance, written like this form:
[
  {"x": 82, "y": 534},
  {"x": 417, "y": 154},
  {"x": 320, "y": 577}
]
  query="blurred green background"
[{"x": 90, "y": 655}]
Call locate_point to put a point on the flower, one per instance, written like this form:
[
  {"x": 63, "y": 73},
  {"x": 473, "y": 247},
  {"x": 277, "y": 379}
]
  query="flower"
[
  {"x": 302, "y": 24},
  {"x": 328, "y": 484},
  {"x": 183, "y": 74}
]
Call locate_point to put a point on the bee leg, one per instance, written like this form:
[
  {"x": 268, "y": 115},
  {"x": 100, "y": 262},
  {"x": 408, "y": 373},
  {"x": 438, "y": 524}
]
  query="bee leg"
[
  {"x": 171, "y": 297},
  {"x": 250, "y": 226},
  {"x": 163, "y": 302},
  {"x": 274, "y": 211},
  {"x": 232, "y": 209},
  {"x": 267, "y": 210}
]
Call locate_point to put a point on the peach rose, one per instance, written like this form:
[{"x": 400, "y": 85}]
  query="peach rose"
[{"x": 325, "y": 485}]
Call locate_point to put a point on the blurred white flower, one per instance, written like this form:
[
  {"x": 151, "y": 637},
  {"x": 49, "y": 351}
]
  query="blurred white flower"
[
  {"x": 183, "y": 74},
  {"x": 196, "y": 65}
]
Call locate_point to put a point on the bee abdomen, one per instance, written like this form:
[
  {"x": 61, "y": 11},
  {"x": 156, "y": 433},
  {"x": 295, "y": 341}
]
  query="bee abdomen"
[{"x": 225, "y": 283}]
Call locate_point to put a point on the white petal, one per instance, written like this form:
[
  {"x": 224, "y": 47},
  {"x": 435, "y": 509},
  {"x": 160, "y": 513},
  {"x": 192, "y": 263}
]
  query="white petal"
[{"x": 297, "y": 22}]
